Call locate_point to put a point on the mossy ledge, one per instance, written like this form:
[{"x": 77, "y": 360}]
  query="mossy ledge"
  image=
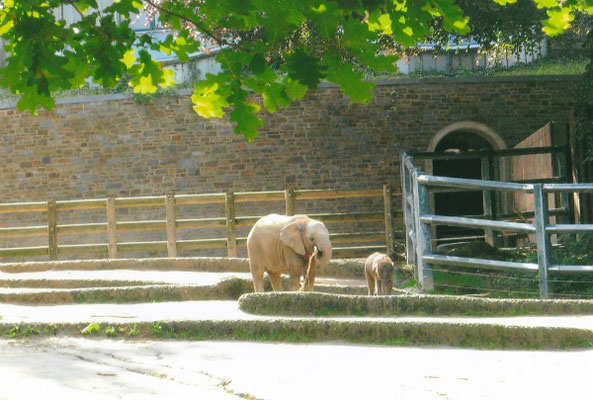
[
  {"x": 338, "y": 268},
  {"x": 484, "y": 336},
  {"x": 228, "y": 288},
  {"x": 323, "y": 304}
]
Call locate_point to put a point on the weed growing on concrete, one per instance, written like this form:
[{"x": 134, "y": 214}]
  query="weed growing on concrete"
[
  {"x": 162, "y": 330},
  {"x": 91, "y": 328},
  {"x": 133, "y": 330},
  {"x": 15, "y": 330}
]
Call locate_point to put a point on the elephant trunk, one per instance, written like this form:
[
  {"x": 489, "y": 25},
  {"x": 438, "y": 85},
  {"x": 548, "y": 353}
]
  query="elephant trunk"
[{"x": 324, "y": 253}]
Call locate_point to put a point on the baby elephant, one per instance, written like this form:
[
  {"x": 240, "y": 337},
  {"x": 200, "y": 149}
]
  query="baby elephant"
[{"x": 378, "y": 270}]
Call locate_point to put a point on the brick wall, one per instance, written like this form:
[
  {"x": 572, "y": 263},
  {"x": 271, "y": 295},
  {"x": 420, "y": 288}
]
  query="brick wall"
[{"x": 112, "y": 146}]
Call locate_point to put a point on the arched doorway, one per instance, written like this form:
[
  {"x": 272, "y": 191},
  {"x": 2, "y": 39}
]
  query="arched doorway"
[{"x": 462, "y": 138}]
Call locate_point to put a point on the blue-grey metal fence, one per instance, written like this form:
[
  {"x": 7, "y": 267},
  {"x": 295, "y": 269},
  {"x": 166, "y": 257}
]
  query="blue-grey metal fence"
[{"x": 419, "y": 223}]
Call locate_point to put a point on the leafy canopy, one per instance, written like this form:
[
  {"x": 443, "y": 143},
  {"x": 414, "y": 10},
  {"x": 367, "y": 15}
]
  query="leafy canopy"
[{"x": 314, "y": 39}]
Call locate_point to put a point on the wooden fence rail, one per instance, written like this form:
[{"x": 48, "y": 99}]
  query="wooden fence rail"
[{"x": 171, "y": 224}]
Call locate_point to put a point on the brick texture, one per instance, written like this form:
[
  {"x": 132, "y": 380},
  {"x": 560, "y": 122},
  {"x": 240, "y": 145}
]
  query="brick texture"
[{"x": 97, "y": 147}]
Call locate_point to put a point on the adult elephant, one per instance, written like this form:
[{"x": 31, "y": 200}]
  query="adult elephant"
[{"x": 294, "y": 245}]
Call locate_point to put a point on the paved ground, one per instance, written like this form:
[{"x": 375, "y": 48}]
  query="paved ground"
[
  {"x": 62, "y": 367},
  {"x": 228, "y": 310},
  {"x": 111, "y": 369}
]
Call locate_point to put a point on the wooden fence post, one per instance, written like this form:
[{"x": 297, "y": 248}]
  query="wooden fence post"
[
  {"x": 542, "y": 238},
  {"x": 52, "y": 224},
  {"x": 230, "y": 224},
  {"x": 564, "y": 196},
  {"x": 289, "y": 201},
  {"x": 171, "y": 225},
  {"x": 387, "y": 202},
  {"x": 111, "y": 228},
  {"x": 423, "y": 234}
]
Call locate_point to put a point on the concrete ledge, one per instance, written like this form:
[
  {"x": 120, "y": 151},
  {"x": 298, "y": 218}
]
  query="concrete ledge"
[
  {"x": 322, "y": 330},
  {"x": 67, "y": 292},
  {"x": 311, "y": 303},
  {"x": 325, "y": 85},
  {"x": 210, "y": 264},
  {"x": 342, "y": 268},
  {"x": 226, "y": 289}
]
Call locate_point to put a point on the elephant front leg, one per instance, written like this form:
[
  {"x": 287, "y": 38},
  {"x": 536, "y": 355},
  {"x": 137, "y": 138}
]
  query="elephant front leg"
[
  {"x": 294, "y": 282},
  {"x": 276, "y": 280}
]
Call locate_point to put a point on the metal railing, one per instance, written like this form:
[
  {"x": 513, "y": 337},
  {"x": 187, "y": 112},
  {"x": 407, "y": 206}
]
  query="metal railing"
[
  {"x": 354, "y": 243},
  {"x": 419, "y": 222}
]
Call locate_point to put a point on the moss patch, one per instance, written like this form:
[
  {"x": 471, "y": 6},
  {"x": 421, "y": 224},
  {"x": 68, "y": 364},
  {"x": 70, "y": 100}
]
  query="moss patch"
[
  {"x": 376, "y": 332},
  {"x": 313, "y": 303}
]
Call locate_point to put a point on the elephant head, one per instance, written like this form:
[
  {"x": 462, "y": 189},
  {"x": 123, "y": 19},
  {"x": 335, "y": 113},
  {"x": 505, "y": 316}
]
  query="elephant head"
[
  {"x": 304, "y": 234},
  {"x": 385, "y": 272},
  {"x": 308, "y": 238}
]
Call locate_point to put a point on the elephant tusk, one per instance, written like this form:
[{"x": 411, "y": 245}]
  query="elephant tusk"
[{"x": 311, "y": 258}]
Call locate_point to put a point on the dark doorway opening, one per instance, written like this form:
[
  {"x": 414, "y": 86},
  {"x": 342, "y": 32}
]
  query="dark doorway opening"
[{"x": 459, "y": 203}]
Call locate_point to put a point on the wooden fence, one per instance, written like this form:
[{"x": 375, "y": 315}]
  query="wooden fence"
[{"x": 172, "y": 224}]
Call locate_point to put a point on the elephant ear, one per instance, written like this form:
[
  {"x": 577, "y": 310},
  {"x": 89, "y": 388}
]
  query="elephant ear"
[{"x": 291, "y": 235}]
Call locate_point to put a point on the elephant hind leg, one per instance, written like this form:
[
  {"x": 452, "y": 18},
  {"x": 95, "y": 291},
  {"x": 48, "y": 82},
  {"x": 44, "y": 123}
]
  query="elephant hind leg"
[
  {"x": 370, "y": 283},
  {"x": 258, "y": 278},
  {"x": 276, "y": 281}
]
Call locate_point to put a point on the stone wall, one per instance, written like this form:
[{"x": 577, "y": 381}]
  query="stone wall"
[{"x": 111, "y": 146}]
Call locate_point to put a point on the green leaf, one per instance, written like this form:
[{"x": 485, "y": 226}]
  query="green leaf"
[
  {"x": 128, "y": 58},
  {"x": 125, "y": 7},
  {"x": 32, "y": 97},
  {"x": 357, "y": 34},
  {"x": 379, "y": 63},
  {"x": 233, "y": 61},
  {"x": 558, "y": 22},
  {"x": 246, "y": 121},
  {"x": 380, "y": 23},
  {"x": 305, "y": 69},
  {"x": 326, "y": 17},
  {"x": 243, "y": 113},
  {"x": 258, "y": 64},
  {"x": 294, "y": 89},
  {"x": 208, "y": 99},
  {"x": 79, "y": 67},
  {"x": 350, "y": 82},
  {"x": 181, "y": 44},
  {"x": 546, "y": 3},
  {"x": 6, "y": 24},
  {"x": 505, "y": 2},
  {"x": 149, "y": 74},
  {"x": 272, "y": 16},
  {"x": 84, "y": 5},
  {"x": 274, "y": 95}
]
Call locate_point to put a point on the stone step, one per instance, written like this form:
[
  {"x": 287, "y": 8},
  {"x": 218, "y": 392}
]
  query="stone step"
[
  {"x": 131, "y": 286},
  {"x": 199, "y": 320},
  {"x": 349, "y": 268}
]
